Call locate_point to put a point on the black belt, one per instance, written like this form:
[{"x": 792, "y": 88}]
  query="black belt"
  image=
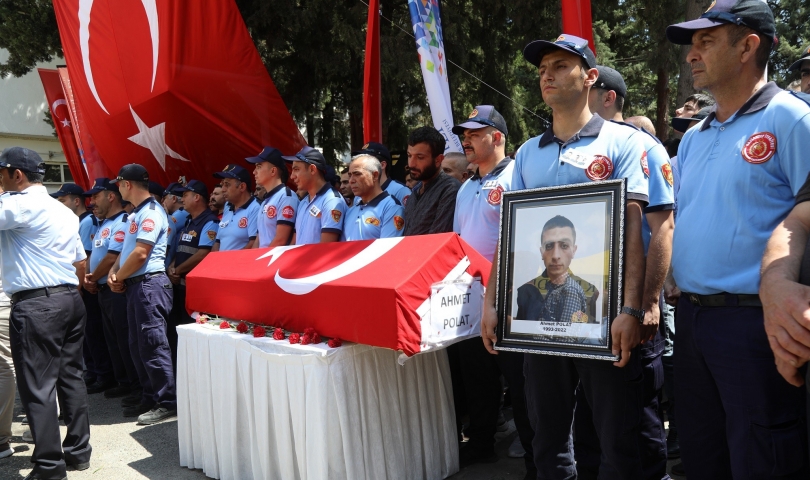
[
  {"x": 40, "y": 292},
  {"x": 133, "y": 280},
  {"x": 102, "y": 287},
  {"x": 724, "y": 300}
]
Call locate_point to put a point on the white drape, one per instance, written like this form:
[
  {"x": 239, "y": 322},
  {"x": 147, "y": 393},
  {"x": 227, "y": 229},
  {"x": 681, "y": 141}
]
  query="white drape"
[{"x": 265, "y": 409}]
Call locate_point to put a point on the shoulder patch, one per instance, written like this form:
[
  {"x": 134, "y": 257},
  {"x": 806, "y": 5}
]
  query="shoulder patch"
[
  {"x": 336, "y": 214},
  {"x": 119, "y": 236},
  {"x": 666, "y": 171},
  {"x": 287, "y": 212},
  {"x": 148, "y": 225},
  {"x": 212, "y": 234},
  {"x": 399, "y": 222}
]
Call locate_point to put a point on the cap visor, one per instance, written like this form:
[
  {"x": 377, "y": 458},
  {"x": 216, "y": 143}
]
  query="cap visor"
[
  {"x": 534, "y": 51},
  {"x": 58, "y": 194},
  {"x": 92, "y": 192},
  {"x": 255, "y": 160},
  {"x": 798, "y": 63},
  {"x": 291, "y": 158},
  {"x": 224, "y": 175},
  {"x": 459, "y": 129},
  {"x": 681, "y": 33}
]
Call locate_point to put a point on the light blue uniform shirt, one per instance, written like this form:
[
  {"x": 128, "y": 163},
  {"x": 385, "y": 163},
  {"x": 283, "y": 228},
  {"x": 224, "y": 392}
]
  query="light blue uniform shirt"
[
  {"x": 658, "y": 172},
  {"x": 382, "y": 217},
  {"x": 396, "y": 190},
  {"x": 39, "y": 241},
  {"x": 739, "y": 180},
  {"x": 238, "y": 225},
  {"x": 279, "y": 207},
  {"x": 108, "y": 238},
  {"x": 148, "y": 224},
  {"x": 323, "y": 214},
  {"x": 88, "y": 224},
  {"x": 177, "y": 221},
  {"x": 603, "y": 150},
  {"x": 477, "y": 218}
]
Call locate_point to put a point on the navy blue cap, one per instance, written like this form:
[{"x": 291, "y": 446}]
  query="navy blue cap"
[
  {"x": 377, "y": 150},
  {"x": 534, "y": 51},
  {"x": 754, "y": 14},
  {"x": 680, "y": 124},
  {"x": 100, "y": 185},
  {"x": 22, "y": 159},
  {"x": 234, "y": 171},
  {"x": 610, "y": 79},
  {"x": 270, "y": 155},
  {"x": 68, "y": 189},
  {"x": 156, "y": 189},
  {"x": 195, "y": 186},
  {"x": 483, "y": 116},
  {"x": 798, "y": 63},
  {"x": 133, "y": 173},
  {"x": 173, "y": 189},
  {"x": 311, "y": 156}
]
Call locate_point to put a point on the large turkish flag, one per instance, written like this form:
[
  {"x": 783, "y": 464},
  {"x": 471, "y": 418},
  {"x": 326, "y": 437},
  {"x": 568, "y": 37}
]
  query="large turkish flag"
[
  {"x": 365, "y": 291},
  {"x": 176, "y": 86}
]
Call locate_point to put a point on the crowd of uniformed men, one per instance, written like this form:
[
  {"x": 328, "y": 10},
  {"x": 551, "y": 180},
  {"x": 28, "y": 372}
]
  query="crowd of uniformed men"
[{"x": 699, "y": 213}]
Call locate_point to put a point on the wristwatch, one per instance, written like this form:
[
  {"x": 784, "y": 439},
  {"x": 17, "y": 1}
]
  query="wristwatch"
[{"x": 634, "y": 312}]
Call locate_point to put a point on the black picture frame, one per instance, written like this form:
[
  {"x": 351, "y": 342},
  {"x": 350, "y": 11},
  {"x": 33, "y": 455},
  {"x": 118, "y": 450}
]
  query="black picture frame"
[{"x": 569, "y": 307}]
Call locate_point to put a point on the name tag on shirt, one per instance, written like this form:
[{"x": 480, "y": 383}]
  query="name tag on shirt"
[
  {"x": 97, "y": 243},
  {"x": 489, "y": 185},
  {"x": 314, "y": 211},
  {"x": 575, "y": 159},
  {"x": 224, "y": 224},
  {"x": 186, "y": 237}
]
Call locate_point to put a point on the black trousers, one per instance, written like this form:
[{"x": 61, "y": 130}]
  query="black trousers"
[
  {"x": 96, "y": 356},
  {"x": 46, "y": 344},
  {"x": 116, "y": 331}
]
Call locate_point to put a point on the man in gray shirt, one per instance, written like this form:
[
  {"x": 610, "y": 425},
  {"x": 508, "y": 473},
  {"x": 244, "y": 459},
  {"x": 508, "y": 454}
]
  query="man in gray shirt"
[{"x": 431, "y": 207}]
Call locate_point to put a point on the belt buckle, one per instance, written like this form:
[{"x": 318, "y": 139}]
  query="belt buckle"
[{"x": 694, "y": 299}]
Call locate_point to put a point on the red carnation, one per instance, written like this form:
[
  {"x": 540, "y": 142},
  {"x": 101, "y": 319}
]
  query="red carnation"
[
  {"x": 242, "y": 327},
  {"x": 309, "y": 331},
  {"x": 316, "y": 338},
  {"x": 335, "y": 342},
  {"x": 295, "y": 338},
  {"x": 278, "y": 334},
  {"x": 259, "y": 332},
  {"x": 202, "y": 319},
  {"x": 224, "y": 325},
  {"x": 306, "y": 339}
]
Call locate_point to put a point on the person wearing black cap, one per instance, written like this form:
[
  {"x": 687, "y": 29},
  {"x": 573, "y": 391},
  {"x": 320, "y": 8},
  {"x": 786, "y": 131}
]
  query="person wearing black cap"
[
  {"x": 41, "y": 260},
  {"x": 581, "y": 147},
  {"x": 802, "y": 65},
  {"x": 194, "y": 241},
  {"x": 279, "y": 205},
  {"x": 606, "y": 99},
  {"x": 741, "y": 169},
  {"x": 322, "y": 211},
  {"x": 239, "y": 226},
  {"x": 140, "y": 272},
  {"x": 107, "y": 244},
  {"x": 393, "y": 187}
]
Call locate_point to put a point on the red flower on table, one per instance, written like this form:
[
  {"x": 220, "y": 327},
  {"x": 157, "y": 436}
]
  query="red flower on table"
[
  {"x": 335, "y": 342},
  {"x": 278, "y": 334},
  {"x": 295, "y": 338},
  {"x": 259, "y": 332},
  {"x": 309, "y": 331},
  {"x": 316, "y": 338},
  {"x": 202, "y": 319},
  {"x": 306, "y": 339},
  {"x": 242, "y": 327},
  {"x": 224, "y": 325}
]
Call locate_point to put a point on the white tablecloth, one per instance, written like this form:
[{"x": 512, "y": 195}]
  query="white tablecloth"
[{"x": 265, "y": 409}]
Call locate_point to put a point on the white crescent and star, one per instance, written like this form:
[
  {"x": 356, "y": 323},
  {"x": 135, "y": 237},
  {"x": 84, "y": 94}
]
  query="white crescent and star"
[
  {"x": 303, "y": 286},
  {"x": 56, "y": 104},
  {"x": 154, "y": 139}
]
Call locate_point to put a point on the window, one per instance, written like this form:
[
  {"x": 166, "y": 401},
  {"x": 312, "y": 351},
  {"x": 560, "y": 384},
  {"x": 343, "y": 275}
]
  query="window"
[{"x": 57, "y": 173}]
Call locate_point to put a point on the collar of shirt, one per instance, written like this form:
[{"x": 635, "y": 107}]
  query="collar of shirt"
[
  {"x": 206, "y": 216},
  {"x": 385, "y": 185},
  {"x": 759, "y": 100},
  {"x": 144, "y": 203},
  {"x": 326, "y": 187},
  {"x": 84, "y": 215},
  {"x": 495, "y": 171},
  {"x": 38, "y": 188},
  {"x": 246, "y": 205},
  {"x": 111, "y": 219},
  {"x": 591, "y": 129},
  {"x": 374, "y": 201},
  {"x": 273, "y": 191}
]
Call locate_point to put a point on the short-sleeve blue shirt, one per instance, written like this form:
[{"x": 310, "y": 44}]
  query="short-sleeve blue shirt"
[
  {"x": 238, "y": 225},
  {"x": 323, "y": 214},
  {"x": 148, "y": 224},
  {"x": 108, "y": 238},
  {"x": 396, "y": 190},
  {"x": 477, "y": 218},
  {"x": 739, "y": 180},
  {"x": 382, "y": 217},
  {"x": 279, "y": 207},
  {"x": 600, "y": 151},
  {"x": 88, "y": 224}
]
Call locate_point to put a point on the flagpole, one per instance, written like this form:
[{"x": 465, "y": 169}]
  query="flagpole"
[{"x": 372, "y": 84}]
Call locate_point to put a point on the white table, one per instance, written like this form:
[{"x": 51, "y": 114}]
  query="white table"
[{"x": 265, "y": 409}]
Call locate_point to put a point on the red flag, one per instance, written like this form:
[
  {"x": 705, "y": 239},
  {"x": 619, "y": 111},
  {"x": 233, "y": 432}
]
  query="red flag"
[
  {"x": 576, "y": 18},
  {"x": 176, "y": 86},
  {"x": 372, "y": 92},
  {"x": 63, "y": 125}
]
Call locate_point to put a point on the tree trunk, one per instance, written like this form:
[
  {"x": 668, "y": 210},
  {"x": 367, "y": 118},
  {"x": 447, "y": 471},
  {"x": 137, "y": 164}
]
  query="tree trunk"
[
  {"x": 694, "y": 9},
  {"x": 355, "y": 129},
  {"x": 310, "y": 125},
  {"x": 328, "y": 132},
  {"x": 661, "y": 114}
]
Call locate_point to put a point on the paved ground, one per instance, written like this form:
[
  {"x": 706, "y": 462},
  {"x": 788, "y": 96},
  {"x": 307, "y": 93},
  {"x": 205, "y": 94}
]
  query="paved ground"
[{"x": 124, "y": 451}]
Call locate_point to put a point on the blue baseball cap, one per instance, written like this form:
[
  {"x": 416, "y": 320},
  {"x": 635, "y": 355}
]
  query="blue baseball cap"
[
  {"x": 270, "y": 155},
  {"x": 534, "y": 51},
  {"x": 195, "y": 186},
  {"x": 374, "y": 149},
  {"x": 173, "y": 189},
  {"x": 311, "y": 156},
  {"x": 234, "y": 171},
  {"x": 156, "y": 189},
  {"x": 754, "y": 14},
  {"x": 680, "y": 124},
  {"x": 68, "y": 189},
  {"x": 798, "y": 63},
  {"x": 22, "y": 159},
  {"x": 100, "y": 185},
  {"x": 480, "y": 117}
]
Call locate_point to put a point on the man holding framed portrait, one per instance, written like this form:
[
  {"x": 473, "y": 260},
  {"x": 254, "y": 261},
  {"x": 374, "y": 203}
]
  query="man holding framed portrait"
[{"x": 582, "y": 148}]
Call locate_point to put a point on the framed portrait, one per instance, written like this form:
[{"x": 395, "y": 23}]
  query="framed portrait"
[{"x": 559, "y": 284}]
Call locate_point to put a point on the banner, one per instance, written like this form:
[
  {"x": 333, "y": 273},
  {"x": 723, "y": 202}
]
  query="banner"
[
  {"x": 576, "y": 20},
  {"x": 372, "y": 88},
  {"x": 427, "y": 28},
  {"x": 177, "y": 86},
  {"x": 63, "y": 125}
]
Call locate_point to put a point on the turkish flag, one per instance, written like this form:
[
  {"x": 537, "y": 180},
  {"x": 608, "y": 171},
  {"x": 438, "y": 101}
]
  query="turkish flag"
[
  {"x": 176, "y": 86},
  {"x": 63, "y": 125},
  {"x": 365, "y": 291},
  {"x": 576, "y": 20}
]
